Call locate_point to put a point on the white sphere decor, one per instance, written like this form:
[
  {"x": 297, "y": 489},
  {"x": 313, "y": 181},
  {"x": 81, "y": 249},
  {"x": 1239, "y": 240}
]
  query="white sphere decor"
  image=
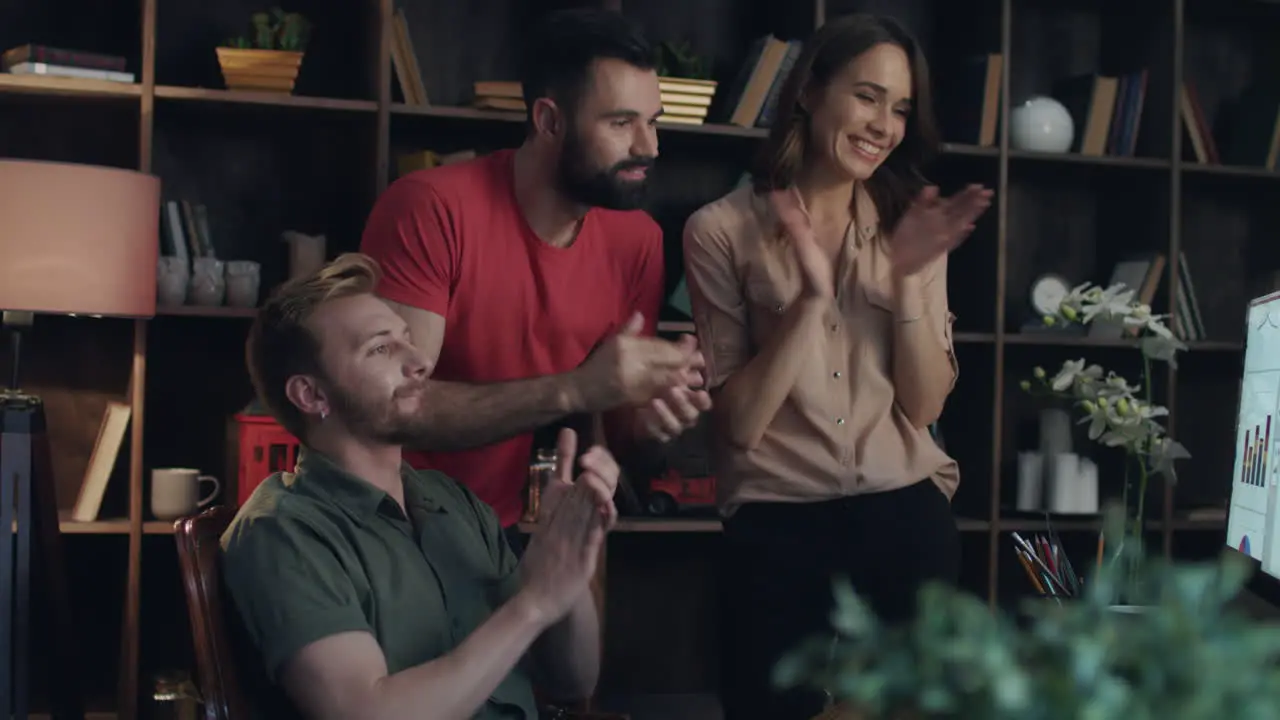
[{"x": 1041, "y": 124}]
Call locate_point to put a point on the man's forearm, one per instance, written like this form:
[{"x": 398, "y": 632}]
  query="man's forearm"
[
  {"x": 458, "y": 684},
  {"x": 567, "y": 656},
  {"x": 460, "y": 416}
]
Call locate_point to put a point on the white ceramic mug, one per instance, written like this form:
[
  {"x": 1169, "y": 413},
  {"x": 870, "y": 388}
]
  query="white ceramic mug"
[
  {"x": 243, "y": 278},
  {"x": 175, "y": 492}
]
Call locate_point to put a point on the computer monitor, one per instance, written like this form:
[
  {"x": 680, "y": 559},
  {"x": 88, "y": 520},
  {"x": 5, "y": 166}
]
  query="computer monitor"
[{"x": 1253, "y": 525}]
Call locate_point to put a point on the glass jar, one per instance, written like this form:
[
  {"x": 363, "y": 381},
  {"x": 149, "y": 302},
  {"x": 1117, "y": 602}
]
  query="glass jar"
[{"x": 541, "y": 470}]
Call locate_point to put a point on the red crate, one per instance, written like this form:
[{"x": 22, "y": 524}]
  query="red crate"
[{"x": 263, "y": 448}]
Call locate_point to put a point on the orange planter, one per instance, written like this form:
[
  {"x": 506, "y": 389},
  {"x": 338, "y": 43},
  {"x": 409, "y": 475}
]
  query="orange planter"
[{"x": 263, "y": 70}]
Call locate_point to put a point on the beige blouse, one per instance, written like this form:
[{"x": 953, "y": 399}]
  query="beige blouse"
[{"x": 839, "y": 432}]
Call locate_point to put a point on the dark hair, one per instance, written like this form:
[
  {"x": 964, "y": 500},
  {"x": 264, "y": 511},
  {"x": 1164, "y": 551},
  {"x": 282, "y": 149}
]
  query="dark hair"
[
  {"x": 558, "y": 57},
  {"x": 280, "y": 345},
  {"x": 825, "y": 54}
]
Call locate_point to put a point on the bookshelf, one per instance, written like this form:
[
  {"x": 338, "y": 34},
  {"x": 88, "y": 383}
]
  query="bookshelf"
[{"x": 315, "y": 160}]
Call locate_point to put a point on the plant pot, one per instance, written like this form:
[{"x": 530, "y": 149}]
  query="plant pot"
[{"x": 260, "y": 70}]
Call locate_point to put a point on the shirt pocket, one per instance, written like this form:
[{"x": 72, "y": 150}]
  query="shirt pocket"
[
  {"x": 767, "y": 300},
  {"x": 875, "y": 324}
]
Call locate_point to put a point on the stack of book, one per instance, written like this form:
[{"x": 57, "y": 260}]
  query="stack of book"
[
  {"x": 684, "y": 100},
  {"x": 506, "y": 95},
  {"x": 32, "y": 59}
]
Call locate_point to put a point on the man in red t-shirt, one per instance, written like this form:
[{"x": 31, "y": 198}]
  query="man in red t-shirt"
[{"x": 531, "y": 278}]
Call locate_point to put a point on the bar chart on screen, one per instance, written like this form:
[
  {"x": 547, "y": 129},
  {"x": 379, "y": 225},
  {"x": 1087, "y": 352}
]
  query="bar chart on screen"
[{"x": 1252, "y": 527}]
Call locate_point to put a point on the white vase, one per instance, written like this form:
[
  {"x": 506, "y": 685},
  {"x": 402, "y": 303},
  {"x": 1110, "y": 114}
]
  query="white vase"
[{"x": 1041, "y": 124}]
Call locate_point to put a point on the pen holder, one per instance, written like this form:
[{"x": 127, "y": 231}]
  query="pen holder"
[{"x": 1048, "y": 568}]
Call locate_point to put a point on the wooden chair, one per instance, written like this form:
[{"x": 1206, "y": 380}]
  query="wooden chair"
[{"x": 217, "y": 671}]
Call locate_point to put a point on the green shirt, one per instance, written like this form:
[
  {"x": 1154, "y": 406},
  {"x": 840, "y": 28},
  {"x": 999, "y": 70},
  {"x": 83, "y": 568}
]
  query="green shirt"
[{"x": 320, "y": 551}]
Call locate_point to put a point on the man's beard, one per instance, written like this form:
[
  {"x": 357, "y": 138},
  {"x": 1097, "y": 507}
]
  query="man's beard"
[
  {"x": 593, "y": 187},
  {"x": 377, "y": 421}
]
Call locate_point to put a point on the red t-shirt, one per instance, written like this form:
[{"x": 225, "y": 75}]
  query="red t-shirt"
[{"x": 452, "y": 240}]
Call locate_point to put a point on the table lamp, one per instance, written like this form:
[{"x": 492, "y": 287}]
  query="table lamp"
[{"x": 74, "y": 240}]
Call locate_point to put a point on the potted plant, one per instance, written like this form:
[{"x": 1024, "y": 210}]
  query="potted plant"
[
  {"x": 269, "y": 57},
  {"x": 1188, "y": 656},
  {"x": 1119, "y": 414},
  {"x": 684, "y": 79},
  {"x": 678, "y": 60}
]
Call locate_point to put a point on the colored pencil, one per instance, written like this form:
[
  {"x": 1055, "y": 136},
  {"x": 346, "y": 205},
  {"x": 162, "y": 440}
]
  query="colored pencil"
[{"x": 1047, "y": 564}]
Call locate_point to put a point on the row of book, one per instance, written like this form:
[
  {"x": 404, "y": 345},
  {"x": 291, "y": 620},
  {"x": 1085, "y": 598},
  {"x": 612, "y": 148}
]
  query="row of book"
[
  {"x": 750, "y": 101},
  {"x": 404, "y": 60},
  {"x": 1106, "y": 111},
  {"x": 34, "y": 59},
  {"x": 1245, "y": 132},
  {"x": 752, "y": 98},
  {"x": 1145, "y": 274},
  {"x": 184, "y": 230}
]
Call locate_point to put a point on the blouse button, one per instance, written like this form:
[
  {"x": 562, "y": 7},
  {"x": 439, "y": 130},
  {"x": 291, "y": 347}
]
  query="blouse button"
[
  {"x": 836, "y": 374},
  {"x": 839, "y": 421},
  {"x": 778, "y": 308}
]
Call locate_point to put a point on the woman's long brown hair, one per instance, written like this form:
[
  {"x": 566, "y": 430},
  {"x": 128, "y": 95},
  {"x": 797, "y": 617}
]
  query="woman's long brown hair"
[{"x": 899, "y": 178}]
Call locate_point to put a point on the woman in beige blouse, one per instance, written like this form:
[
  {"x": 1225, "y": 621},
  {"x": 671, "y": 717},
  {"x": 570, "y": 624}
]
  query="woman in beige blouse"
[{"x": 820, "y": 298}]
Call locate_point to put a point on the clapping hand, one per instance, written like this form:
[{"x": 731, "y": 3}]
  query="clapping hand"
[
  {"x": 933, "y": 226},
  {"x": 816, "y": 268},
  {"x": 599, "y": 475},
  {"x": 565, "y": 547},
  {"x": 629, "y": 369},
  {"x": 676, "y": 408}
]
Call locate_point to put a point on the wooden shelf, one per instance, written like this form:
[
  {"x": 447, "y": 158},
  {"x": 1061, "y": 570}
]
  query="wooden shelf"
[
  {"x": 110, "y": 526},
  {"x": 1195, "y": 168},
  {"x": 1051, "y": 340},
  {"x": 220, "y": 311},
  {"x": 67, "y": 87},
  {"x": 713, "y": 525},
  {"x": 217, "y": 95},
  {"x": 174, "y": 140},
  {"x": 687, "y": 326},
  {"x": 657, "y": 525},
  {"x": 1095, "y": 524},
  {"x": 456, "y": 112},
  {"x": 972, "y": 150},
  {"x": 1098, "y": 160},
  {"x": 668, "y": 525},
  {"x": 469, "y": 113}
]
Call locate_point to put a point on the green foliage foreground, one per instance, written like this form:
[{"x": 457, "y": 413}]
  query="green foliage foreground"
[{"x": 1185, "y": 655}]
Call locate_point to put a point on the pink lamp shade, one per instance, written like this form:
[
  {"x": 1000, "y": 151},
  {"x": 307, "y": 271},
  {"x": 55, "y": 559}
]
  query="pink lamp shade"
[{"x": 78, "y": 239}]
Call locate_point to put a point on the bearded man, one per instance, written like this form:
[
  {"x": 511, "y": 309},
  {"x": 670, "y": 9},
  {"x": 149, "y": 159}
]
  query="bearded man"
[{"x": 517, "y": 270}]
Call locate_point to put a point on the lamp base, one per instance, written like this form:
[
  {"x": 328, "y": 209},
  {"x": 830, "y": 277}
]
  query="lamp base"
[{"x": 26, "y": 485}]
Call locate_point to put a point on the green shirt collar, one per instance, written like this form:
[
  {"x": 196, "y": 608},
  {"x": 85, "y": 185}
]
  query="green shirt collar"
[{"x": 320, "y": 475}]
